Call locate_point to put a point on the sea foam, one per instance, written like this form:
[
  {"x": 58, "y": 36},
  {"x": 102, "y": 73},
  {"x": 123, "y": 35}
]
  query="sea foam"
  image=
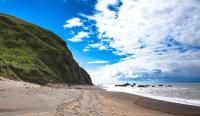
[{"x": 183, "y": 94}]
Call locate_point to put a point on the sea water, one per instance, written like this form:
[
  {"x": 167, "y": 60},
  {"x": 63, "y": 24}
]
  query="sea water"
[{"x": 188, "y": 94}]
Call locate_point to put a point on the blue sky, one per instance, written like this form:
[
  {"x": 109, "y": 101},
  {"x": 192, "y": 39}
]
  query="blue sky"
[{"x": 117, "y": 40}]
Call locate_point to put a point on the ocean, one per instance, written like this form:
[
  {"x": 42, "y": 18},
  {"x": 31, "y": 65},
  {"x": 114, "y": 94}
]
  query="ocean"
[{"x": 182, "y": 93}]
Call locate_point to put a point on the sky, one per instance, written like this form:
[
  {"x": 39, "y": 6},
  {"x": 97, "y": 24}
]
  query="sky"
[{"x": 123, "y": 40}]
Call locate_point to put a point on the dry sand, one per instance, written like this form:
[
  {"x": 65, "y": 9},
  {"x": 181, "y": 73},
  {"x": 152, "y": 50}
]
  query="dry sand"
[{"x": 25, "y": 99}]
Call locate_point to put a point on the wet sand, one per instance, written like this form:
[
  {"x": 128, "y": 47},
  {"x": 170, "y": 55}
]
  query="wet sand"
[{"x": 25, "y": 99}]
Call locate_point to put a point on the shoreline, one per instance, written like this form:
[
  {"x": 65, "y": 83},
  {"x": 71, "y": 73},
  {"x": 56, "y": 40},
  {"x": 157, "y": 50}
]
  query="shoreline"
[
  {"x": 166, "y": 92},
  {"x": 25, "y": 99},
  {"x": 168, "y": 107},
  {"x": 155, "y": 105}
]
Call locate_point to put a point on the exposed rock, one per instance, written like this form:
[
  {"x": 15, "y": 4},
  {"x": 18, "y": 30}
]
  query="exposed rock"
[
  {"x": 143, "y": 85},
  {"x": 160, "y": 85},
  {"x": 133, "y": 85},
  {"x": 123, "y": 85}
]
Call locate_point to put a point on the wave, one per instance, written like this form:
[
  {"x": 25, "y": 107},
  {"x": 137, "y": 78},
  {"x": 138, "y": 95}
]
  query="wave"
[{"x": 188, "y": 95}]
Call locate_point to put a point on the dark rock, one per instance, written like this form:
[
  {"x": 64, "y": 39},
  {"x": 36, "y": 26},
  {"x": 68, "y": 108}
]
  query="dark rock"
[
  {"x": 143, "y": 85},
  {"x": 133, "y": 85},
  {"x": 126, "y": 84},
  {"x": 123, "y": 85},
  {"x": 140, "y": 86}
]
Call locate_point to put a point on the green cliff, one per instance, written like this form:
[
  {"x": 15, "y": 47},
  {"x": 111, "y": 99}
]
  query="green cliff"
[{"x": 33, "y": 54}]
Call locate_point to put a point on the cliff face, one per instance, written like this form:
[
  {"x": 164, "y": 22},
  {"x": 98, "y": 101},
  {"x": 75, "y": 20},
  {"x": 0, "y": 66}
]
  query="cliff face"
[{"x": 33, "y": 54}]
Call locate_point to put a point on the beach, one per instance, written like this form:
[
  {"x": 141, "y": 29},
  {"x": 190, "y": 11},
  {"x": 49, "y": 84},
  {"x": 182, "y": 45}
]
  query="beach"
[
  {"x": 25, "y": 99},
  {"x": 182, "y": 93}
]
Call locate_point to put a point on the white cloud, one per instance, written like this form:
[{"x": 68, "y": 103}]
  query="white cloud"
[
  {"x": 100, "y": 46},
  {"x": 96, "y": 45},
  {"x": 86, "y": 50},
  {"x": 140, "y": 28},
  {"x": 79, "y": 36},
  {"x": 150, "y": 21},
  {"x": 98, "y": 62},
  {"x": 139, "y": 67},
  {"x": 74, "y": 22}
]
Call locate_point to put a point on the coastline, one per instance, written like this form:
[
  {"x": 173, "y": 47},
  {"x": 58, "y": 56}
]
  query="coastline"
[
  {"x": 186, "y": 94},
  {"x": 25, "y": 99}
]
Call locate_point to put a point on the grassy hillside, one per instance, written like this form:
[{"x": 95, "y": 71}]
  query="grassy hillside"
[{"x": 33, "y": 54}]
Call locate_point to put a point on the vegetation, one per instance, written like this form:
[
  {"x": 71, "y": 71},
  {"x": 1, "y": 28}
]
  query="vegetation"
[{"x": 33, "y": 54}]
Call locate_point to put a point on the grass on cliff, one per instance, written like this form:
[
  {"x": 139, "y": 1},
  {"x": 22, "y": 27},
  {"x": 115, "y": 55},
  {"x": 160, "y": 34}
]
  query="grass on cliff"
[
  {"x": 20, "y": 50},
  {"x": 31, "y": 53}
]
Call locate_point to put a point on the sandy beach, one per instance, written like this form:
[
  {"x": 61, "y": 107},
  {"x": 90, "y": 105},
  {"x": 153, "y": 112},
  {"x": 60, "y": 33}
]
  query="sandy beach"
[{"x": 25, "y": 99}]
